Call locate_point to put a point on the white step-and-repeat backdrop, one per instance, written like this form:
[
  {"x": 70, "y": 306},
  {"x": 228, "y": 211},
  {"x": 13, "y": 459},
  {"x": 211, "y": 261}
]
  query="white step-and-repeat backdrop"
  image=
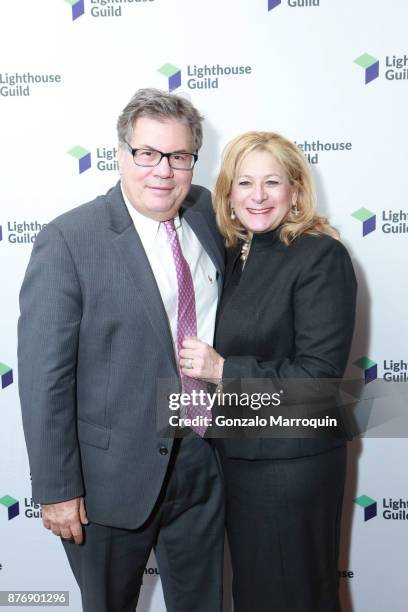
[{"x": 330, "y": 74}]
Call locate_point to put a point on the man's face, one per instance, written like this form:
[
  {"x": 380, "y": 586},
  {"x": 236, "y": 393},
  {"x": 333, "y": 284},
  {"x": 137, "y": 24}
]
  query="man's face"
[{"x": 159, "y": 191}]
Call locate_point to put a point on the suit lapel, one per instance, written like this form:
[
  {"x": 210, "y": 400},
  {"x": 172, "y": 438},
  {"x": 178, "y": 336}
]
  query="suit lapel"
[
  {"x": 191, "y": 212},
  {"x": 129, "y": 246},
  {"x": 198, "y": 224}
]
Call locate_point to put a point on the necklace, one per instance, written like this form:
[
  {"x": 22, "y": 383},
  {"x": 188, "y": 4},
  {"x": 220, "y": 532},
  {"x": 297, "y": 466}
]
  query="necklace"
[{"x": 245, "y": 252}]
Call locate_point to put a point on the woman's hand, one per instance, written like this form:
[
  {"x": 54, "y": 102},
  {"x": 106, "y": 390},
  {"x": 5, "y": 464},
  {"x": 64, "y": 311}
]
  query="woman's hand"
[{"x": 201, "y": 359}]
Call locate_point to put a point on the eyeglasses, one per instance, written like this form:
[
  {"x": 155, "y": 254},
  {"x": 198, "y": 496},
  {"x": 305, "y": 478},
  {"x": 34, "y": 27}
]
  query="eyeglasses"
[{"x": 150, "y": 157}]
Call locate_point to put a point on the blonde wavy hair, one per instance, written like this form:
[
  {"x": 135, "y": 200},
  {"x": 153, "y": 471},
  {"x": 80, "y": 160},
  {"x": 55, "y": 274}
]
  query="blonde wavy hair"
[{"x": 297, "y": 170}]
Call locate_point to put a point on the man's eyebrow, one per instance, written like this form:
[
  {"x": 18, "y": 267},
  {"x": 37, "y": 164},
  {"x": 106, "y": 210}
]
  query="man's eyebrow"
[{"x": 146, "y": 146}]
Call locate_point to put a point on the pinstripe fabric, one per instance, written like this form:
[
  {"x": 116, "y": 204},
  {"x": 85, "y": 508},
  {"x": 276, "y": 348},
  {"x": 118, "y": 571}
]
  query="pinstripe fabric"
[{"x": 94, "y": 345}]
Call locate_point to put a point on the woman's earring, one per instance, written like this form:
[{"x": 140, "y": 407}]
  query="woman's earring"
[
  {"x": 295, "y": 209},
  {"x": 233, "y": 215}
]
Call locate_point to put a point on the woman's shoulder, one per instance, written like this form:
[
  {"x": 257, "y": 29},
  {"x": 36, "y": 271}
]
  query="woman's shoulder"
[
  {"x": 318, "y": 245},
  {"x": 323, "y": 254}
]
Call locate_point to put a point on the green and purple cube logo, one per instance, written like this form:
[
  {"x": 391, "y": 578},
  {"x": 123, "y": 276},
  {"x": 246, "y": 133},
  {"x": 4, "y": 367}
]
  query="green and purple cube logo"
[
  {"x": 273, "y": 4},
  {"x": 172, "y": 74},
  {"x": 369, "y": 368},
  {"x": 367, "y": 218},
  {"x": 369, "y": 505},
  {"x": 371, "y": 66},
  {"x": 12, "y": 506},
  {"x": 78, "y": 8},
  {"x": 6, "y": 375},
  {"x": 83, "y": 156}
]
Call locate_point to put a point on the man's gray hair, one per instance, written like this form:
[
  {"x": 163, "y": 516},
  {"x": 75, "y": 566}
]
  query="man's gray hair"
[{"x": 159, "y": 104}]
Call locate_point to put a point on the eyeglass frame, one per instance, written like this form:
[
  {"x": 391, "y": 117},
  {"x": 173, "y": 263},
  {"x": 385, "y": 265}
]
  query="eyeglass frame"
[{"x": 167, "y": 155}]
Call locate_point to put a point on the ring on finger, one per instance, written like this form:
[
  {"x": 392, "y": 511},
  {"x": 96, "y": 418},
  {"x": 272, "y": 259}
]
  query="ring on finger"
[{"x": 188, "y": 364}]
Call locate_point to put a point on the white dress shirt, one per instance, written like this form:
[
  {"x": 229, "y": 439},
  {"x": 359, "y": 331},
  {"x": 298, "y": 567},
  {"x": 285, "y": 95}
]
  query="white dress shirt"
[{"x": 158, "y": 251}]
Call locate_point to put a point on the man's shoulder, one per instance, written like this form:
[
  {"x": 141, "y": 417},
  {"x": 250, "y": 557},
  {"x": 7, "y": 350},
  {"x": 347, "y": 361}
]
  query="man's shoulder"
[
  {"x": 198, "y": 198},
  {"x": 77, "y": 225},
  {"x": 85, "y": 215}
]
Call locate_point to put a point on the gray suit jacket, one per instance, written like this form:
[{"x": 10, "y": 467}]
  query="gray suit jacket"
[{"x": 94, "y": 340}]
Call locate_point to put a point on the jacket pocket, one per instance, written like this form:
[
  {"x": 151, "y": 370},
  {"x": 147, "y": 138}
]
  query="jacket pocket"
[{"x": 95, "y": 435}]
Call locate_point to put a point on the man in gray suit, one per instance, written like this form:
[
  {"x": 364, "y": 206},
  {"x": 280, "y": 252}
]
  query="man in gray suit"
[{"x": 100, "y": 326}]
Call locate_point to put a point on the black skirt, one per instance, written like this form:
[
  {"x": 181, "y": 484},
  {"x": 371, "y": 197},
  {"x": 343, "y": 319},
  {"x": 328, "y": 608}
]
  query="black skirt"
[{"x": 283, "y": 524}]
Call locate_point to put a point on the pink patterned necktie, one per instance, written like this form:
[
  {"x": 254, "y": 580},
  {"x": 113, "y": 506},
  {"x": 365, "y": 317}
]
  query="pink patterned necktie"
[{"x": 186, "y": 323}]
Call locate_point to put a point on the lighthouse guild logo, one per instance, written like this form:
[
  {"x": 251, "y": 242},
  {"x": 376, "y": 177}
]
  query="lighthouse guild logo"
[
  {"x": 395, "y": 222},
  {"x": 32, "y": 509},
  {"x": 11, "y": 505},
  {"x": 172, "y": 74},
  {"x": 396, "y": 67},
  {"x": 206, "y": 76},
  {"x": 395, "y": 370},
  {"x": 6, "y": 375},
  {"x": 395, "y": 509},
  {"x": 21, "y": 84},
  {"x": 313, "y": 148},
  {"x": 367, "y": 219},
  {"x": 392, "y": 509},
  {"x": 107, "y": 159},
  {"x": 369, "y": 506},
  {"x": 370, "y": 65},
  {"x": 83, "y": 156},
  {"x": 105, "y": 156},
  {"x": 77, "y": 8},
  {"x": 102, "y": 8},
  {"x": 22, "y": 232},
  {"x": 391, "y": 221},
  {"x": 369, "y": 368},
  {"x": 272, "y": 4}
]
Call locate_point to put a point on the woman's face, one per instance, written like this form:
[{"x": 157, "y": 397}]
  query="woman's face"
[{"x": 261, "y": 195}]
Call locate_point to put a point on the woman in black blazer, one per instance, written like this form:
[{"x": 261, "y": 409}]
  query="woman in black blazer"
[{"x": 286, "y": 319}]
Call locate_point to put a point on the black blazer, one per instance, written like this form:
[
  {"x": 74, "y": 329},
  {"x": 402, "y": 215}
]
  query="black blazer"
[{"x": 290, "y": 317}]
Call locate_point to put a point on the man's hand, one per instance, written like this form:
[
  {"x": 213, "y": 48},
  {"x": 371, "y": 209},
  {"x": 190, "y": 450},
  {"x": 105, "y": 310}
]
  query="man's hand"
[
  {"x": 205, "y": 362},
  {"x": 66, "y": 519}
]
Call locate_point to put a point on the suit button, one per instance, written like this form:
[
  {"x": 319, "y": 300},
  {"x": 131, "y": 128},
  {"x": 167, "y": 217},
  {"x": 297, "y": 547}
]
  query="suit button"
[{"x": 163, "y": 450}]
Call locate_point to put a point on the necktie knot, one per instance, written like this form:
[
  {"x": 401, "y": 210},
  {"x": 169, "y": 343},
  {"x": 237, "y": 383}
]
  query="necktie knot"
[{"x": 170, "y": 228}]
